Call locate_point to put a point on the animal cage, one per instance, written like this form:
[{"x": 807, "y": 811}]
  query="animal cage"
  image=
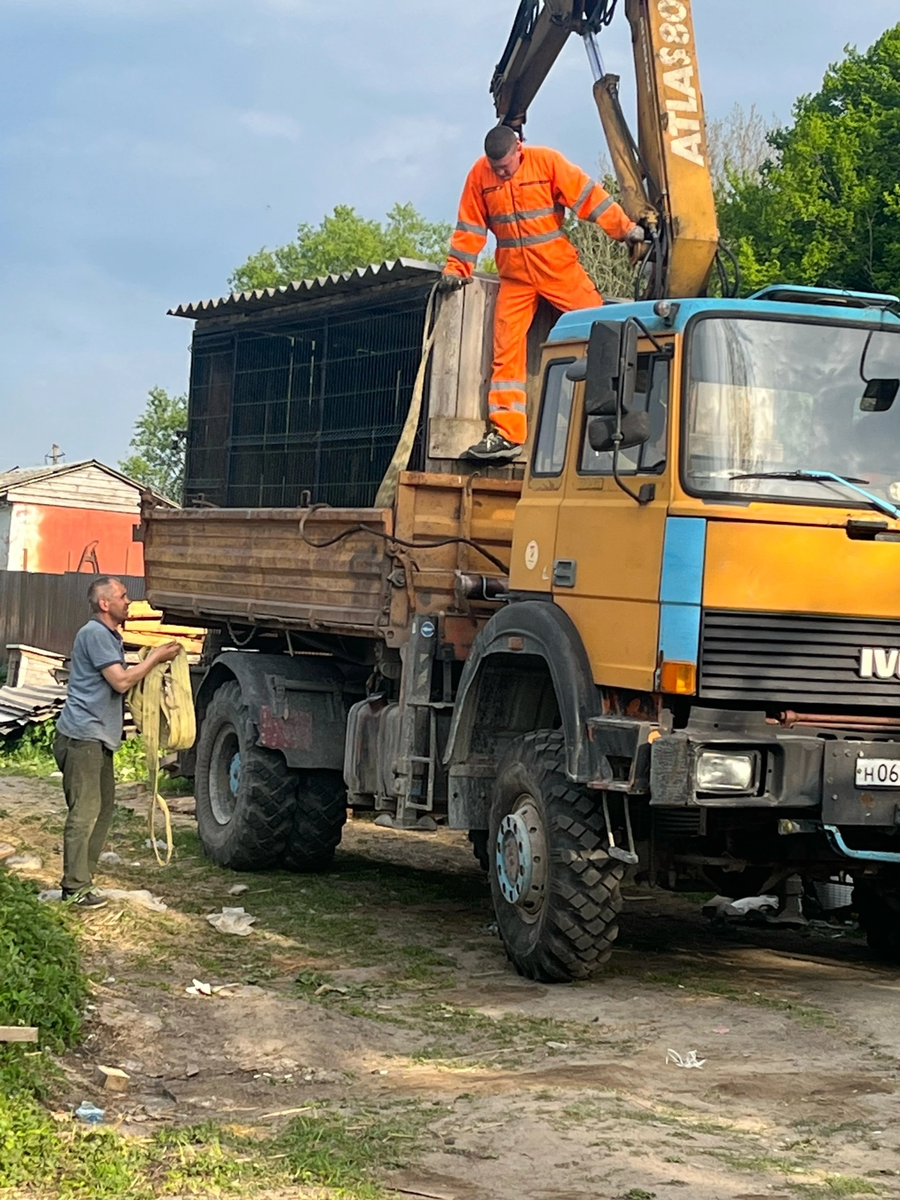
[
  {"x": 298, "y": 394},
  {"x": 302, "y": 401}
]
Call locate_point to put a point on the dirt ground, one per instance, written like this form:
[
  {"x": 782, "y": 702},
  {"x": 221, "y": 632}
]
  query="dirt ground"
[{"x": 534, "y": 1092}]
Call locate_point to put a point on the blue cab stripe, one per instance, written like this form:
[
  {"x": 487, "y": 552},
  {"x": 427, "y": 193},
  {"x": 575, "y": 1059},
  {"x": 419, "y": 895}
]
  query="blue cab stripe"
[{"x": 681, "y": 588}]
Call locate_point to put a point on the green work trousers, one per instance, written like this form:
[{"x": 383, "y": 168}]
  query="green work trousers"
[{"x": 90, "y": 788}]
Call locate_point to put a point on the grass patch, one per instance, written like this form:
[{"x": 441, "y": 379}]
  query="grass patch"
[
  {"x": 836, "y": 1185},
  {"x": 306, "y": 922},
  {"x": 806, "y": 1014},
  {"x": 31, "y": 754},
  {"x": 339, "y": 1149},
  {"x": 41, "y": 984}
]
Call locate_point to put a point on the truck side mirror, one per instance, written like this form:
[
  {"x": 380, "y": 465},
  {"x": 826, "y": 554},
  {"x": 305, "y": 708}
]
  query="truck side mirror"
[
  {"x": 602, "y": 369},
  {"x": 635, "y": 431},
  {"x": 628, "y": 356}
]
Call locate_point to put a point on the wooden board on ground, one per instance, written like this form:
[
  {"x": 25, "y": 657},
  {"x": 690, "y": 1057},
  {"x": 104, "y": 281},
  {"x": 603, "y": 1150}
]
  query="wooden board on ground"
[{"x": 18, "y": 1033}]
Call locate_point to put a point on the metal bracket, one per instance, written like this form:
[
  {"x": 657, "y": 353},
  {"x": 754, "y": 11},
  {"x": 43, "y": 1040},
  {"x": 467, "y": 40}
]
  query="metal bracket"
[
  {"x": 836, "y": 840},
  {"x": 626, "y": 856}
]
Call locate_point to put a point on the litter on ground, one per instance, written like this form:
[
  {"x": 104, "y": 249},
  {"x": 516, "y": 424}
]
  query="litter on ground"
[
  {"x": 689, "y": 1059},
  {"x": 231, "y": 920}
]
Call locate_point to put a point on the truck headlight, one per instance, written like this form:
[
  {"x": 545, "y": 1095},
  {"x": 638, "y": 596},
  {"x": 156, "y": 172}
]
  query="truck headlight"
[{"x": 719, "y": 771}]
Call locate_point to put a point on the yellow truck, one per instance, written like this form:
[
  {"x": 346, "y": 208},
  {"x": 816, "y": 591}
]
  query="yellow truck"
[
  {"x": 673, "y": 644},
  {"x": 668, "y": 641}
]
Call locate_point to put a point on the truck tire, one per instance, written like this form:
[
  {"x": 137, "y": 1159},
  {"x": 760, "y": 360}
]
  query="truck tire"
[
  {"x": 877, "y": 904},
  {"x": 245, "y": 794},
  {"x": 319, "y": 813},
  {"x": 556, "y": 893}
]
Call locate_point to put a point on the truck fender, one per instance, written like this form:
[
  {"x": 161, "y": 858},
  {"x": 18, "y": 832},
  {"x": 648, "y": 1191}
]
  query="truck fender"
[
  {"x": 297, "y": 704},
  {"x": 534, "y": 629}
]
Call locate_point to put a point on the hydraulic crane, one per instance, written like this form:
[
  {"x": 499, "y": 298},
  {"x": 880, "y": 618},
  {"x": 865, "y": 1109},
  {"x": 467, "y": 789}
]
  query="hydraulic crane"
[{"x": 663, "y": 177}]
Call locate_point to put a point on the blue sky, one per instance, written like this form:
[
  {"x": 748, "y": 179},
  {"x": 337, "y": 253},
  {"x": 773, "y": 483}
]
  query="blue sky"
[{"x": 148, "y": 146}]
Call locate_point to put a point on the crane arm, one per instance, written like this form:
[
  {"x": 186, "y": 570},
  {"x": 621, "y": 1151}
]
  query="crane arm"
[
  {"x": 664, "y": 175},
  {"x": 540, "y": 30}
]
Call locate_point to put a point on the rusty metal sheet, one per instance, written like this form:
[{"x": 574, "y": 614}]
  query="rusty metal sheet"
[
  {"x": 21, "y": 706},
  {"x": 294, "y": 568}
]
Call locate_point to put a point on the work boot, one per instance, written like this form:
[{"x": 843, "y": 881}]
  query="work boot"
[
  {"x": 493, "y": 447},
  {"x": 84, "y": 898}
]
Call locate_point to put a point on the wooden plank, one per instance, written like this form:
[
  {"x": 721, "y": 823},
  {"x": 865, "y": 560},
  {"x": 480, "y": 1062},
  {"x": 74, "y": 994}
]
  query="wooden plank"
[
  {"x": 445, "y": 356},
  {"x": 18, "y": 1033},
  {"x": 471, "y": 401},
  {"x": 450, "y": 437}
]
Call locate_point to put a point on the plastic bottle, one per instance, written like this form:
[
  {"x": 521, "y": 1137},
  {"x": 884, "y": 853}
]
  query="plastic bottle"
[{"x": 90, "y": 1113}]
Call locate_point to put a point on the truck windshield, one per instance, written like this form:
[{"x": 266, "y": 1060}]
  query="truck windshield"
[{"x": 772, "y": 405}]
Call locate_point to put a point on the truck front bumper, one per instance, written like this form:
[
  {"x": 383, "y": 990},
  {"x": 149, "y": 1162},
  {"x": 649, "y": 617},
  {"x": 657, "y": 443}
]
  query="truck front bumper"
[{"x": 726, "y": 759}]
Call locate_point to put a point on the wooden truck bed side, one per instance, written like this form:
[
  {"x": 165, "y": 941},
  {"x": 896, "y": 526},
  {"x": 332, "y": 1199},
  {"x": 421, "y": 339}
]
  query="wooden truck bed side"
[{"x": 257, "y": 566}]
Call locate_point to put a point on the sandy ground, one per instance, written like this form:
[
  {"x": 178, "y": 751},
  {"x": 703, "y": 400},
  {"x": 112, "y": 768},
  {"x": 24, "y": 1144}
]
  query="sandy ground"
[{"x": 800, "y": 1033}]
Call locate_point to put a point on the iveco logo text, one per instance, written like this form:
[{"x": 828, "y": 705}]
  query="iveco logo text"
[{"x": 879, "y": 662}]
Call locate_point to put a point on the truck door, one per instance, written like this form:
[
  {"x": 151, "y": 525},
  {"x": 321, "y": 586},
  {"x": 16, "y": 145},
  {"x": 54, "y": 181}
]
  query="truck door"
[
  {"x": 534, "y": 537},
  {"x": 608, "y": 557}
]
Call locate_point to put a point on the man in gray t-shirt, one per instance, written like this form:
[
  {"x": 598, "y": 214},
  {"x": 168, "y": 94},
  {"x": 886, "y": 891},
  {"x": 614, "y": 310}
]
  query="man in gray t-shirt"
[{"x": 89, "y": 731}]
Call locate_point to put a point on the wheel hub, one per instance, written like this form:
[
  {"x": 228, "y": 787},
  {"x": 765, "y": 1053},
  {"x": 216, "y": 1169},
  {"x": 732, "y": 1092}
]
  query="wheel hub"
[
  {"x": 234, "y": 774},
  {"x": 521, "y": 856},
  {"x": 224, "y": 774}
]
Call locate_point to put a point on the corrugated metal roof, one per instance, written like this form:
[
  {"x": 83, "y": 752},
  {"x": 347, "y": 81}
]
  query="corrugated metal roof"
[
  {"x": 21, "y": 706},
  {"x": 358, "y": 280}
]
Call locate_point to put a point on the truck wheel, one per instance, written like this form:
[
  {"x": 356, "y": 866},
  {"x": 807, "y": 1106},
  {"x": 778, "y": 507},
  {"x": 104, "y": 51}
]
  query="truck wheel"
[
  {"x": 877, "y": 904},
  {"x": 556, "y": 892},
  {"x": 320, "y": 811},
  {"x": 244, "y": 793}
]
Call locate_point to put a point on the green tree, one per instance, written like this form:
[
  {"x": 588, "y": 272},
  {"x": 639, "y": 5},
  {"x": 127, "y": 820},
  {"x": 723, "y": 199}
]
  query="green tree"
[
  {"x": 158, "y": 443},
  {"x": 341, "y": 242},
  {"x": 605, "y": 260},
  {"x": 825, "y": 209}
]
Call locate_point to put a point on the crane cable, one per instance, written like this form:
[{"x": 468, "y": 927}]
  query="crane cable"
[{"x": 162, "y": 705}]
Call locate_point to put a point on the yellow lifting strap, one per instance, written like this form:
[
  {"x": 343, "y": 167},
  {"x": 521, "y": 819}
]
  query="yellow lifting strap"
[{"x": 162, "y": 706}]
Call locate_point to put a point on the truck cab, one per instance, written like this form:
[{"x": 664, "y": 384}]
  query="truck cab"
[{"x": 727, "y": 581}]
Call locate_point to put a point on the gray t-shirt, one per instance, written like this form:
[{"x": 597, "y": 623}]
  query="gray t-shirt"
[{"x": 93, "y": 711}]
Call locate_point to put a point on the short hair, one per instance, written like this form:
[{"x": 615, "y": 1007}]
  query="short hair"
[
  {"x": 99, "y": 589},
  {"x": 500, "y": 141}
]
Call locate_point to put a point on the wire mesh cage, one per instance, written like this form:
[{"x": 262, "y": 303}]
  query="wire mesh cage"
[{"x": 303, "y": 406}]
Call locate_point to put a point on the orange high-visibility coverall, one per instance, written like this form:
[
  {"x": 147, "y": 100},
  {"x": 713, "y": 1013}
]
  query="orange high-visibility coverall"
[{"x": 534, "y": 258}]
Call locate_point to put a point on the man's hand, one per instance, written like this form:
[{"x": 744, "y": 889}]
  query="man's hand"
[
  {"x": 120, "y": 678},
  {"x": 166, "y": 652},
  {"x": 636, "y": 241},
  {"x": 451, "y": 283}
]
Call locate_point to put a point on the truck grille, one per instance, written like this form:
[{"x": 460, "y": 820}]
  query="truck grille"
[{"x": 793, "y": 659}]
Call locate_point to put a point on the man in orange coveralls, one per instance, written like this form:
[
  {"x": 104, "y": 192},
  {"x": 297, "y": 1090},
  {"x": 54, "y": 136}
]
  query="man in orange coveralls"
[{"x": 520, "y": 193}]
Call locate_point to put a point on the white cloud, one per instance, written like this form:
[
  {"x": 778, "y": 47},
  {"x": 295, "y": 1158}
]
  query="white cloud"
[
  {"x": 410, "y": 143},
  {"x": 271, "y": 125}
]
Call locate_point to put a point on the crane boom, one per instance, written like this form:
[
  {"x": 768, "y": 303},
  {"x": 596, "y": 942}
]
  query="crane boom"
[{"x": 664, "y": 176}]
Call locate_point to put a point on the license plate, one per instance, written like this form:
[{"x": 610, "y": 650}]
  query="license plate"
[{"x": 878, "y": 772}]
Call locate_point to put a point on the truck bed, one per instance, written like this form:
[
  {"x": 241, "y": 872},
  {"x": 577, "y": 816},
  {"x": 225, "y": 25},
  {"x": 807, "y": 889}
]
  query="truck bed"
[{"x": 257, "y": 566}]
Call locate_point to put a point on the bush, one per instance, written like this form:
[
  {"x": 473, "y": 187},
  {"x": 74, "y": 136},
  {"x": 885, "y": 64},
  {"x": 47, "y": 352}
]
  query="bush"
[{"x": 41, "y": 982}]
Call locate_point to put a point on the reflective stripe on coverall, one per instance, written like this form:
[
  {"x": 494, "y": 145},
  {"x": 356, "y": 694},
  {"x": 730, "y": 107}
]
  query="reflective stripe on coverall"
[{"x": 534, "y": 258}]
